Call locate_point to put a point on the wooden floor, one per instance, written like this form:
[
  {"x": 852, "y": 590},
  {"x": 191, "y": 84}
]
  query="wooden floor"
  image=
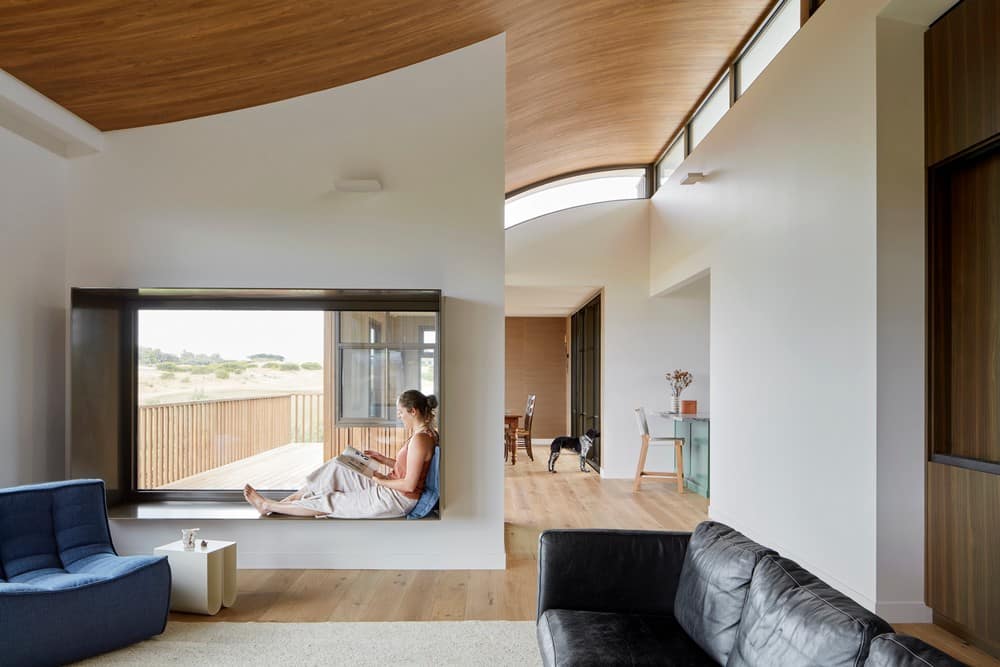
[
  {"x": 279, "y": 468},
  {"x": 535, "y": 500}
]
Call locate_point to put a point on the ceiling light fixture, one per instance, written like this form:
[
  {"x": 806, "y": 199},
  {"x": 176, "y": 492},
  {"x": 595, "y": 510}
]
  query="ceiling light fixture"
[{"x": 693, "y": 177}]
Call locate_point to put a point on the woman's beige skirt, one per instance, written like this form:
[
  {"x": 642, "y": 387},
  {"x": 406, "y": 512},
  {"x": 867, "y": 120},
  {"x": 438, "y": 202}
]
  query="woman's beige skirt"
[{"x": 341, "y": 493}]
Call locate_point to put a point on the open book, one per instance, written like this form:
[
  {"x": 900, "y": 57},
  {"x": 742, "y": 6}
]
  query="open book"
[{"x": 356, "y": 461}]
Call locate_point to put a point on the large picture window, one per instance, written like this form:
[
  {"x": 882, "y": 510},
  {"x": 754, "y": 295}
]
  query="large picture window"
[{"x": 193, "y": 393}]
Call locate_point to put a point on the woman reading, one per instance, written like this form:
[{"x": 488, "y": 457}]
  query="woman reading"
[{"x": 335, "y": 491}]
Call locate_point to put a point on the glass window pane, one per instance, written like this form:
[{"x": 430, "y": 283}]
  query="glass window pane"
[
  {"x": 410, "y": 328},
  {"x": 228, "y": 397},
  {"x": 362, "y": 385},
  {"x": 410, "y": 369},
  {"x": 566, "y": 193},
  {"x": 427, "y": 375},
  {"x": 362, "y": 327},
  {"x": 714, "y": 108},
  {"x": 670, "y": 161},
  {"x": 766, "y": 46}
]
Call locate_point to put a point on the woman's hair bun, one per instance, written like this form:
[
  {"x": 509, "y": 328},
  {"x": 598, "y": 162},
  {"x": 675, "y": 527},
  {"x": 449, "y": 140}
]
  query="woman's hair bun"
[{"x": 432, "y": 402}]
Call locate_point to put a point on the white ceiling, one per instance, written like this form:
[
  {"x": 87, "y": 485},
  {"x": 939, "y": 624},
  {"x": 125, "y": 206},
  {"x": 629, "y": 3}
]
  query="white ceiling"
[{"x": 520, "y": 301}]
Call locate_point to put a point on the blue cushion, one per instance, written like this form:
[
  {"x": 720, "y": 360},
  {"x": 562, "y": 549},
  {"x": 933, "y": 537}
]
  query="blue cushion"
[
  {"x": 432, "y": 488},
  {"x": 109, "y": 566},
  {"x": 56, "y": 627},
  {"x": 53, "y": 579},
  {"x": 10, "y": 589},
  {"x": 79, "y": 522},
  {"x": 27, "y": 541}
]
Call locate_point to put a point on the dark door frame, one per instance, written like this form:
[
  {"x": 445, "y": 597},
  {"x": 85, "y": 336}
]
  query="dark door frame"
[{"x": 585, "y": 374}]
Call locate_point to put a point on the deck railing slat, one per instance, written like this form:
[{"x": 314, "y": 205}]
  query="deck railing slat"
[{"x": 184, "y": 439}]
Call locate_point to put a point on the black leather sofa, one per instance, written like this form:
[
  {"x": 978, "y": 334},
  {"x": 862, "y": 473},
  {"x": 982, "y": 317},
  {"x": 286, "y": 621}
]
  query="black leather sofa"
[{"x": 711, "y": 597}]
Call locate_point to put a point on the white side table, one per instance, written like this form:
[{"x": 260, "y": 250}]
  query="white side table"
[{"x": 203, "y": 580}]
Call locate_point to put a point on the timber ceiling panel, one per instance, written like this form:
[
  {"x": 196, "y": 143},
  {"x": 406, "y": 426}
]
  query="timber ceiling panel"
[{"x": 589, "y": 82}]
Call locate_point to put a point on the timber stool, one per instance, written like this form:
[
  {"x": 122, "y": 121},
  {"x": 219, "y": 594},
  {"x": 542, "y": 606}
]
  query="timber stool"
[{"x": 640, "y": 471}]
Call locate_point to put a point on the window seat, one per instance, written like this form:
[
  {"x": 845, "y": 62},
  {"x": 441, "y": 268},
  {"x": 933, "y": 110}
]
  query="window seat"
[{"x": 166, "y": 510}]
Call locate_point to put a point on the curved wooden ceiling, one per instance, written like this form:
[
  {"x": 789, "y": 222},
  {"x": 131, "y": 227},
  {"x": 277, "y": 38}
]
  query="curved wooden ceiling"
[{"x": 589, "y": 82}]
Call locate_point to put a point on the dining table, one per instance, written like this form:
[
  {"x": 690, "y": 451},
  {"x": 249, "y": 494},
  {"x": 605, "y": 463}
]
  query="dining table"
[{"x": 510, "y": 424}]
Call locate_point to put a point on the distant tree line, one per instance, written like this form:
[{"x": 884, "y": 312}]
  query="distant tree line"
[
  {"x": 214, "y": 364},
  {"x": 266, "y": 357},
  {"x": 152, "y": 356}
]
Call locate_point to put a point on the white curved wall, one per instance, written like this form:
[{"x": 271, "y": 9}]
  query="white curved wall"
[{"x": 244, "y": 199}]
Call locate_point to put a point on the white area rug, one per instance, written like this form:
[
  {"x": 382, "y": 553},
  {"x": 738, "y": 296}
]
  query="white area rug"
[{"x": 491, "y": 643}]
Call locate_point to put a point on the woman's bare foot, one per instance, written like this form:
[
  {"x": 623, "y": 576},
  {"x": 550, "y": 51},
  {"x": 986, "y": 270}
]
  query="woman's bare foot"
[{"x": 259, "y": 502}]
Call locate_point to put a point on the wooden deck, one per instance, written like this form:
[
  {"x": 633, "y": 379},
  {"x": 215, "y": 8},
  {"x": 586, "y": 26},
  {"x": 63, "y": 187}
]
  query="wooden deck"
[{"x": 280, "y": 468}]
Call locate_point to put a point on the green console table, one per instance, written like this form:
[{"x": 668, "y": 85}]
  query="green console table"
[{"x": 694, "y": 429}]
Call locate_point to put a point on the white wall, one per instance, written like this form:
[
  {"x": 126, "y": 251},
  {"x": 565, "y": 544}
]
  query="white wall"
[
  {"x": 32, "y": 278},
  {"x": 606, "y": 245},
  {"x": 811, "y": 222},
  {"x": 244, "y": 199},
  {"x": 900, "y": 340},
  {"x": 786, "y": 223}
]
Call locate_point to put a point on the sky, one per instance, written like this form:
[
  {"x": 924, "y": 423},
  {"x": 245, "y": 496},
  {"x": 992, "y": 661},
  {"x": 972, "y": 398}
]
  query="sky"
[{"x": 235, "y": 334}]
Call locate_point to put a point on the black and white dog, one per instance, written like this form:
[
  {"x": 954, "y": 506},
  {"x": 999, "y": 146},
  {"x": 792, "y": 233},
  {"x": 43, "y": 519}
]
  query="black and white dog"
[{"x": 579, "y": 445}]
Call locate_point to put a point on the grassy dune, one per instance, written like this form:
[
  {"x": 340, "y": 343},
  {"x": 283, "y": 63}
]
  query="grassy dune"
[{"x": 158, "y": 387}]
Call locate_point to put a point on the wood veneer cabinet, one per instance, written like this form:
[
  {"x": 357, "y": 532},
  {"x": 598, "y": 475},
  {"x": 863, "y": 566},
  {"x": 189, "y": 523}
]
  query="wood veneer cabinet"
[
  {"x": 962, "y": 115},
  {"x": 963, "y": 561},
  {"x": 962, "y": 78}
]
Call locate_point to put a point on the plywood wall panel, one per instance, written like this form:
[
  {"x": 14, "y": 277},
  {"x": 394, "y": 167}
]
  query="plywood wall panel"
[
  {"x": 962, "y": 62},
  {"x": 537, "y": 364},
  {"x": 974, "y": 243},
  {"x": 589, "y": 82},
  {"x": 963, "y": 554}
]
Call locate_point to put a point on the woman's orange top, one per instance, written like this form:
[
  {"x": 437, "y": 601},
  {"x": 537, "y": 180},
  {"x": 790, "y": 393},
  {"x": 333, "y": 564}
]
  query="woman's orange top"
[{"x": 399, "y": 470}]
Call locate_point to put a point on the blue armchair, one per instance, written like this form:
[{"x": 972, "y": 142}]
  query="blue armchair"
[{"x": 64, "y": 593}]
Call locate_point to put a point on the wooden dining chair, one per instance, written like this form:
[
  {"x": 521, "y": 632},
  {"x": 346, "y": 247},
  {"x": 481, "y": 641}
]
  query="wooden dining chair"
[
  {"x": 522, "y": 437},
  {"x": 647, "y": 440},
  {"x": 506, "y": 442}
]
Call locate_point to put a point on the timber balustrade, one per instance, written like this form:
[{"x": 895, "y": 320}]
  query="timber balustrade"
[
  {"x": 385, "y": 440},
  {"x": 178, "y": 440}
]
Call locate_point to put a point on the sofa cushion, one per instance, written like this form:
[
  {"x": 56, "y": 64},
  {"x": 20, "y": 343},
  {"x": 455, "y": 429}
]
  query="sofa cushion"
[
  {"x": 715, "y": 578},
  {"x": 56, "y": 627},
  {"x": 583, "y": 638},
  {"x": 27, "y": 541},
  {"x": 792, "y": 618},
  {"x": 109, "y": 566},
  {"x": 79, "y": 523},
  {"x": 11, "y": 589},
  {"x": 55, "y": 579},
  {"x": 894, "y": 650}
]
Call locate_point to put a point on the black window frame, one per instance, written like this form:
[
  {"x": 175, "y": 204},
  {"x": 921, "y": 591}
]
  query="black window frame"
[{"x": 97, "y": 456}]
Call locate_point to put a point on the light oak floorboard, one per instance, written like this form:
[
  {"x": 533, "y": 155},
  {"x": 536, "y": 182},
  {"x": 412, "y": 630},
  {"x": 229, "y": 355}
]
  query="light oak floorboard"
[
  {"x": 535, "y": 500},
  {"x": 949, "y": 643}
]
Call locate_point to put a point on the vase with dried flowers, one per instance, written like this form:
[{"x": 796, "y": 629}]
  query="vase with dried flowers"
[{"x": 679, "y": 381}]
